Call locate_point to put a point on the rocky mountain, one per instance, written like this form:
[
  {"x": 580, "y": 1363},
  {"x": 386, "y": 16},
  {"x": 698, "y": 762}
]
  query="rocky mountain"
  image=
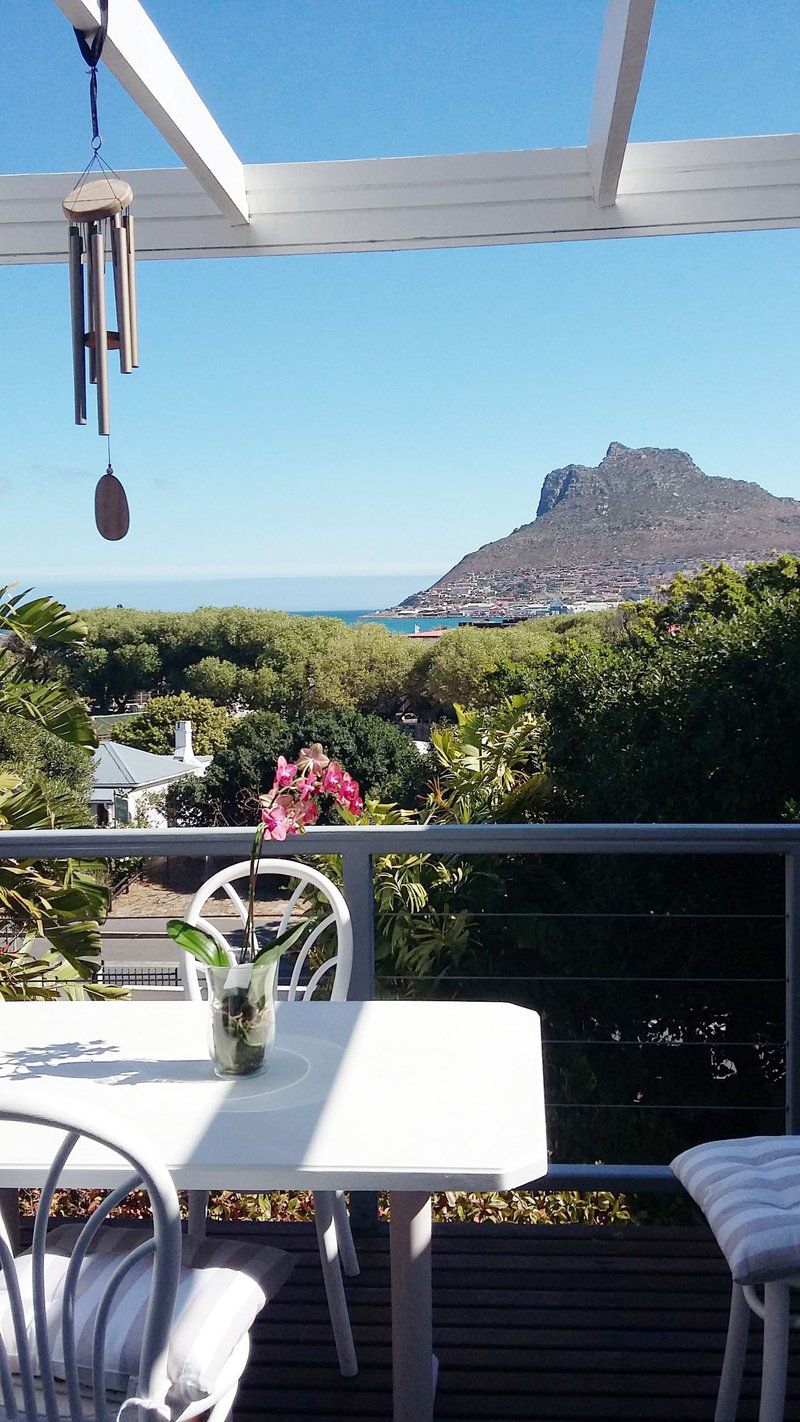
[{"x": 619, "y": 530}]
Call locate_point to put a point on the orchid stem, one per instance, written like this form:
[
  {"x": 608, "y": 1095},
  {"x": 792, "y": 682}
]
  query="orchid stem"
[{"x": 255, "y": 860}]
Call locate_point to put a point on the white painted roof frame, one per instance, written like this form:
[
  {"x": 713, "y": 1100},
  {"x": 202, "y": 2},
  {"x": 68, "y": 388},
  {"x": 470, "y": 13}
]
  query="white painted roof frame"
[
  {"x": 619, "y": 72},
  {"x": 217, "y": 207},
  {"x": 145, "y": 66}
]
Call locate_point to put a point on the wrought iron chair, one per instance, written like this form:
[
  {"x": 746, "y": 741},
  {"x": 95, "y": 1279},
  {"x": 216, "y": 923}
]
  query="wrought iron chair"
[
  {"x": 334, "y": 1235},
  {"x": 98, "y": 1321}
]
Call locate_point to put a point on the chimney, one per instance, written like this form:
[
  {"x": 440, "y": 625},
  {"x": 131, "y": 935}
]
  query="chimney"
[{"x": 183, "y": 741}]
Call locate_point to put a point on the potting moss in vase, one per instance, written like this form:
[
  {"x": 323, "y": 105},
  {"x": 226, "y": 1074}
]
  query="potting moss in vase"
[{"x": 241, "y": 990}]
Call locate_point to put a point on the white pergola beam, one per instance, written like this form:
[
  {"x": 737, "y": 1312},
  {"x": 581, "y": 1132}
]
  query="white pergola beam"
[
  {"x": 619, "y": 72},
  {"x": 461, "y": 200},
  {"x": 140, "y": 59}
]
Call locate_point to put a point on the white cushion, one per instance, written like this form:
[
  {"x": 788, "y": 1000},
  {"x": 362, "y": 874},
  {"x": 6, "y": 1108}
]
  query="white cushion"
[
  {"x": 749, "y": 1191},
  {"x": 228, "y": 1283}
]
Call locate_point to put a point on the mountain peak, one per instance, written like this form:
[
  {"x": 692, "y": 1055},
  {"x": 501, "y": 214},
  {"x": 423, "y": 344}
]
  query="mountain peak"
[
  {"x": 619, "y": 529},
  {"x": 623, "y": 472}
]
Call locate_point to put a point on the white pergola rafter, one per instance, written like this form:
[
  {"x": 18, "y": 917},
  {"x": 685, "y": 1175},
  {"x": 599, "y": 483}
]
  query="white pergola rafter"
[
  {"x": 145, "y": 66},
  {"x": 610, "y": 188},
  {"x": 619, "y": 72},
  {"x": 461, "y": 200}
]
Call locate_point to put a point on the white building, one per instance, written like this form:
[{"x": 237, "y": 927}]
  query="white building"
[{"x": 127, "y": 781}]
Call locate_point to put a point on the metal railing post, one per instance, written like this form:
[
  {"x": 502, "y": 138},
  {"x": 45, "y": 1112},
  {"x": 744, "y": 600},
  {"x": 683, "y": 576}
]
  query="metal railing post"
[
  {"x": 358, "y": 891},
  {"x": 792, "y": 863},
  {"x": 9, "y": 1212}
]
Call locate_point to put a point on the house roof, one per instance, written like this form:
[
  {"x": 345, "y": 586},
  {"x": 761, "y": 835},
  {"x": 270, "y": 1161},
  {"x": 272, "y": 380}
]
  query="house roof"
[{"x": 120, "y": 767}]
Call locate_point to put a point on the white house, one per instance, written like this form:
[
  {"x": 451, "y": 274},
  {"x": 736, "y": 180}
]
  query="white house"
[{"x": 125, "y": 780}]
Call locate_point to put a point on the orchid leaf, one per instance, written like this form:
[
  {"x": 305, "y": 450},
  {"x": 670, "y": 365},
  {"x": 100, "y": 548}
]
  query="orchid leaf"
[
  {"x": 196, "y": 941},
  {"x": 278, "y": 946}
]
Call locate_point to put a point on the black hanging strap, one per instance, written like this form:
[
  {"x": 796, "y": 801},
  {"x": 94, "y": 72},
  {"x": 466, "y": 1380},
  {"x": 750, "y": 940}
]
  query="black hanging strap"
[{"x": 91, "y": 47}]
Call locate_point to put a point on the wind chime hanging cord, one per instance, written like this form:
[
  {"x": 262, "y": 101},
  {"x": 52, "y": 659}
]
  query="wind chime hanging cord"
[
  {"x": 91, "y": 49},
  {"x": 91, "y": 45}
]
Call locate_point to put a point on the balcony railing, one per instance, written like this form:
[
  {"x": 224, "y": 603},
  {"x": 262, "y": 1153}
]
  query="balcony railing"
[{"x": 358, "y": 847}]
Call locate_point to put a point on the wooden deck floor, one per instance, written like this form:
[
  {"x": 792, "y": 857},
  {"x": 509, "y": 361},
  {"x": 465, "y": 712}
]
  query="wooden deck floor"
[{"x": 560, "y": 1323}]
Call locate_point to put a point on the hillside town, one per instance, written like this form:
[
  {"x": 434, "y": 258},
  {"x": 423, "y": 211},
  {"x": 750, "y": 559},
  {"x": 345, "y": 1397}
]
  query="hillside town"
[{"x": 518, "y": 594}]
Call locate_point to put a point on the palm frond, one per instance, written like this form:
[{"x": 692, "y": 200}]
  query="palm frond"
[
  {"x": 42, "y": 619},
  {"x": 49, "y": 704}
]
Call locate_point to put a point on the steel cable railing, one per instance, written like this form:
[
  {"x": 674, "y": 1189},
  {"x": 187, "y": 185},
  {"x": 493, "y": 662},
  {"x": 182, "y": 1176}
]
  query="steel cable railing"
[{"x": 774, "y": 1057}]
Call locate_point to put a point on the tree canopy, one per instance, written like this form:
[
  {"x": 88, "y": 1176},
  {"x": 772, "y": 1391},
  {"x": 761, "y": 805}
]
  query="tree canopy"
[
  {"x": 692, "y": 719},
  {"x": 153, "y": 729},
  {"x": 269, "y": 661},
  {"x": 384, "y": 761}
]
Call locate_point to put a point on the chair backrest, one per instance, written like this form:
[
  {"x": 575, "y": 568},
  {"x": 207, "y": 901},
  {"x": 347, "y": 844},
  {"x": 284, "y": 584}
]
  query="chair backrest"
[
  {"x": 340, "y": 964},
  {"x": 36, "y": 1369}
]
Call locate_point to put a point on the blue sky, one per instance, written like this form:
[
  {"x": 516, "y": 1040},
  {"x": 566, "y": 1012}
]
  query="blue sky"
[{"x": 389, "y": 412}]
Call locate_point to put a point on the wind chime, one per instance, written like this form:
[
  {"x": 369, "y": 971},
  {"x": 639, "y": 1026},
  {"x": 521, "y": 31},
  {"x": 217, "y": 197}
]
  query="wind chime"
[{"x": 100, "y": 221}]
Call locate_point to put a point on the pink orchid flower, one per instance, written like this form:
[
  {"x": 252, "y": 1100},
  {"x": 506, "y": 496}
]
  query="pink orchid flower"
[
  {"x": 276, "y": 823},
  {"x": 348, "y": 790},
  {"x": 333, "y": 778},
  {"x": 307, "y": 787},
  {"x": 284, "y": 804},
  {"x": 310, "y": 812},
  {"x": 349, "y": 795},
  {"x": 293, "y": 801},
  {"x": 313, "y": 758},
  {"x": 285, "y": 773}
]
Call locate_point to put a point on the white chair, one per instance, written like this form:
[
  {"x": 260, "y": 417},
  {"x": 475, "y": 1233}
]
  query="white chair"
[
  {"x": 749, "y": 1191},
  {"x": 334, "y": 1235},
  {"x": 99, "y": 1321}
]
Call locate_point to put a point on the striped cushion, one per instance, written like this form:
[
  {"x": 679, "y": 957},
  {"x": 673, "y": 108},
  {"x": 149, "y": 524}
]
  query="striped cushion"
[
  {"x": 217, "y": 1301},
  {"x": 749, "y": 1191}
]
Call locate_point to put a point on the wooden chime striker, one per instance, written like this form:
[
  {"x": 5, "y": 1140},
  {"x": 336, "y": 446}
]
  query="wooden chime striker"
[{"x": 93, "y": 208}]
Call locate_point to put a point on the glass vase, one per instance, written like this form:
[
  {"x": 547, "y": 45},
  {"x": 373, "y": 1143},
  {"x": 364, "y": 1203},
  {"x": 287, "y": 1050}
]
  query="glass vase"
[{"x": 241, "y": 1018}]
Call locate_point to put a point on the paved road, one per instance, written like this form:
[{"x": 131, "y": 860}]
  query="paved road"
[{"x": 143, "y": 942}]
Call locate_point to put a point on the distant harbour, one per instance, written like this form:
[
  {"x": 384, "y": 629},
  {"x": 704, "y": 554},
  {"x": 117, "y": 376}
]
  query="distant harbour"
[{"x": 404, "y": 625}]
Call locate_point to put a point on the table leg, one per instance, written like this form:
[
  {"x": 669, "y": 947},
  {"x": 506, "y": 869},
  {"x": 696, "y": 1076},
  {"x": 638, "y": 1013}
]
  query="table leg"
[{"x": 413, "y": 1363}]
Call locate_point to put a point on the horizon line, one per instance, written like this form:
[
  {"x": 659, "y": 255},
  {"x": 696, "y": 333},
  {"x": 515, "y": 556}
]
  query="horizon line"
[{"x": 219, "y": 578}]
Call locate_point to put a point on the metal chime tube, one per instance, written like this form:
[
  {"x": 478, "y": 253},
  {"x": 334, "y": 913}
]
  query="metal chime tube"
[
  {"x": 97, "y": 251},
  {"x": 78, "y": 322},
  {"x": 87, "y": 245},
  {"x": 119, "y": 249},
  {"x": 131, "y": 236}
]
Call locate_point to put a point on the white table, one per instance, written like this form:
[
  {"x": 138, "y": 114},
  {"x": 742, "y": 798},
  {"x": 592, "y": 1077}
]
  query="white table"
[{"x": 404, "y": 1097}]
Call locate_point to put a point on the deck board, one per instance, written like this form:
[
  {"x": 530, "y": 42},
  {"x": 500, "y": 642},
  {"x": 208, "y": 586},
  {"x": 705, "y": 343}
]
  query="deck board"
[{"x": 551, "y": 1324}]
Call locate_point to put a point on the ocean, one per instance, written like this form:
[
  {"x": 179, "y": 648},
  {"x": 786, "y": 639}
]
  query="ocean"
[{"x": 395, "y": 624}]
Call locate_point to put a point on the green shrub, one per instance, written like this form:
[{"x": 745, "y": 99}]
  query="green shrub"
[
  {"x": 384, "y": 761},
  {"x": 153, "y": 729}
]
